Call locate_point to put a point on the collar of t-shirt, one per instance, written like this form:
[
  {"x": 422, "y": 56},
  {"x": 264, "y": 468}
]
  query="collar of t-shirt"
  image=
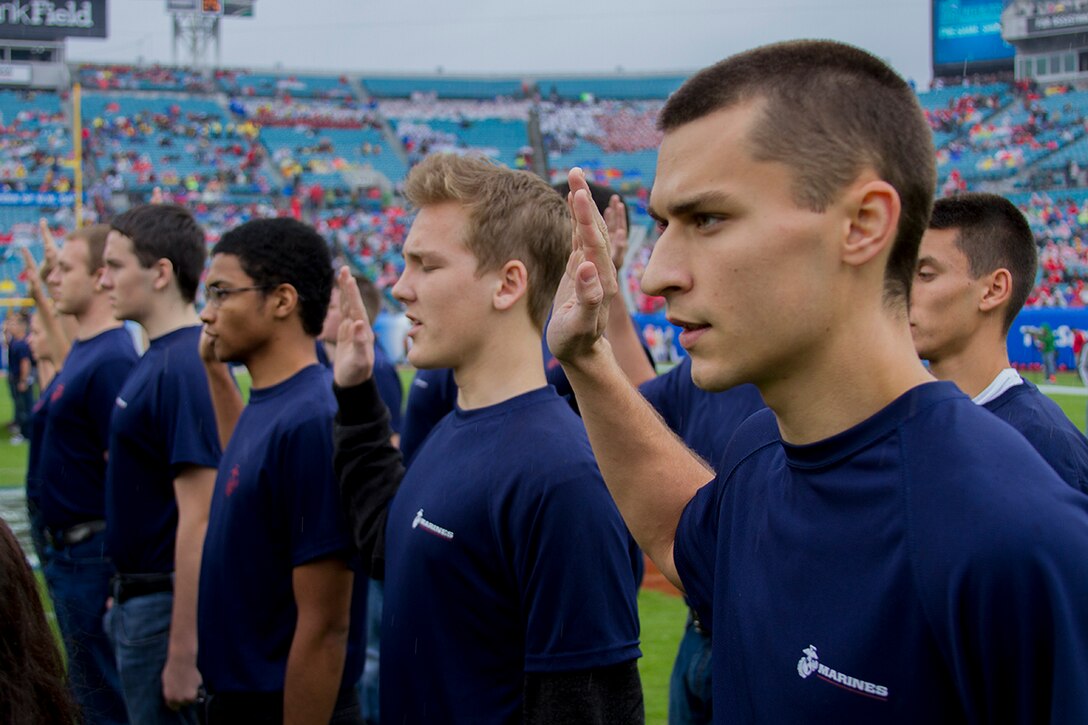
[{"x": 1006, "y": 379}]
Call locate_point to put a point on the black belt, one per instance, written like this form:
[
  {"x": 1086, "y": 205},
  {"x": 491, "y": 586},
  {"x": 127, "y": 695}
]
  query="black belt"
[
  {"x": 130, "y": 586},
  {"x": 75, "y": 534}
]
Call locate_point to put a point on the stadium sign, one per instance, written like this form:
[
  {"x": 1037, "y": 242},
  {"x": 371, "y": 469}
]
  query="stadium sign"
[
  {"x": 11, "y": 74},
  {"x": 1059, "y": 23},
  {"x": 37, "y": 198},
  {"x": 47, "y": 20}
]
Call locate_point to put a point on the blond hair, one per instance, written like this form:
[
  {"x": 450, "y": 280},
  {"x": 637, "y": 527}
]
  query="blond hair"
[{"x": 512, "y": 215}]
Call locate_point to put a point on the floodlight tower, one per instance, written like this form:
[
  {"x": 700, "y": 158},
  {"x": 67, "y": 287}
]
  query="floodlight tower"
[
  {"x": 195, "y": 34},
  {"x": 195, "y": 30}
]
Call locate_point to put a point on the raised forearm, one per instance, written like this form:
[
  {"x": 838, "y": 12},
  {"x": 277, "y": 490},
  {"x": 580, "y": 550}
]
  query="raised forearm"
[
  {"x": 650, "y": 473},
  {"x": 56, "y": 338},
  {"x": 626, "y": 345},
  {"x": 226, "y": 400},
  {"x": 368, "y": 467}
]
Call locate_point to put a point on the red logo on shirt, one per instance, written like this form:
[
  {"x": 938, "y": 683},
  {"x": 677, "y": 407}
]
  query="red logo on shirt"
[
  {"x": 232, "y": 482},
  {"x": 59, "y": 391}
]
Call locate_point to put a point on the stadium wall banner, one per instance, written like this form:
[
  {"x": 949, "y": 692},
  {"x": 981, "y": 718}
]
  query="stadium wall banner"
[
  {"x": 1059, "y": 22},
  {"x": 1063, "y": 322},
  {"x": 48, "y": 20},
  {"x": 50, "y": 199},
  {"x": 661, "y": 336}
]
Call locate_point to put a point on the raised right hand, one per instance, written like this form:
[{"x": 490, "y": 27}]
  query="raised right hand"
[
  {"x": 580, "y": 311},
  {"x": 354, "y": 359}
]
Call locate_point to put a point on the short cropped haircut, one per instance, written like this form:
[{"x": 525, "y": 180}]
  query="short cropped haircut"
[
  {"x": 95, "y": 238},
  {"x": 285, "y": 251},
  {"x": 828, "y": 111},
  {"x": 993, "y": 234},
  {"x": 166, "y": 231},
  {"x": 511, "y": 215}
]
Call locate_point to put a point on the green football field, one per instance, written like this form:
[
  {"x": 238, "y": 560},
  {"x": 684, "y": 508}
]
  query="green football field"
[{"x": 662, "y": 615}]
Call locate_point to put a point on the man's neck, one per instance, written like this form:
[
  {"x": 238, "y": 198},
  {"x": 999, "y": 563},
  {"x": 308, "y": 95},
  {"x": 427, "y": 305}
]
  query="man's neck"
[
  {"x": 166, "y": 316},
  {"x": 96, "y": 319},
  {"x": 974, "y": 367},
  {"x": 510, "y": 366},
  {"x": 280, "y": 358},
  {"x": 863, "y": 367}
]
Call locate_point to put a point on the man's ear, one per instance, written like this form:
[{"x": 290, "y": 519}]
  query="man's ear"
[
  {"x": 997, "y": 291},
  {"x": 284, "y": 298},
  {"x": 513, "y": 284},
  {"x": 874, "y": 208},
  {"x": 163, "y": 273}
]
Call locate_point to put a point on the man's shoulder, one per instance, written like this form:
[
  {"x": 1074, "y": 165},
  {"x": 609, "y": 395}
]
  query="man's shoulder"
[
  {"x": 297, "y": 403},
  {"x": 756, "y": 437},
  {"x": 1035, "y": 415},
  {"x": 977, "y": 491}
]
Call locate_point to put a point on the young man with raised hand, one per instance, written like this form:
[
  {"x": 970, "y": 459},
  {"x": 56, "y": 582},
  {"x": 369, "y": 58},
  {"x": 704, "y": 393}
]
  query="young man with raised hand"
[
  {"x": 20, "y": 375},
  {"x": 163, "y": 456},
  {"x": 73, "y": 471},
  {"x": 281, "y": 612},
  {"x": 976, "y": 266},
  {"x": 508, "y": 584},
  {"x": 865, "y": 553}
]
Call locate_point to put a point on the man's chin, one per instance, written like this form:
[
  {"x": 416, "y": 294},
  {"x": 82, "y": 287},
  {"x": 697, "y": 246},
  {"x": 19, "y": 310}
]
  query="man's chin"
[
  {"x": 418, "y": 358},
  {"x": 710, "y": 378}
]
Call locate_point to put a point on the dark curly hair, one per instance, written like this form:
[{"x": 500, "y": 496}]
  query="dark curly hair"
[
  {"x": 33, "y": 686},
  {"x": 285, "y": 251}
]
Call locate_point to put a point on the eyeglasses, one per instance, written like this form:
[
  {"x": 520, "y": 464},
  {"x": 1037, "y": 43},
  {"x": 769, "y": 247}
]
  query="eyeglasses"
[{"x": 217, "y": 294}]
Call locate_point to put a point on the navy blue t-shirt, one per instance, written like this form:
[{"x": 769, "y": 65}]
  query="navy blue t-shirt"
[
  {"x": 38, "y": 416},
  {"x": 385, "y": 376},
  {"x": 705, "y": 421},
  {"x": 73, "y": 463},
  {"x": 505, "y": 554},
  {"x": 1048, "y": 430},
  {"x": 18, "y": 350},
  {"x": 162, "y": 422},
  {"x": 433, "y": 394},
  {"x": 276, "y": 506},
  {"x": 923, "y": 566}
]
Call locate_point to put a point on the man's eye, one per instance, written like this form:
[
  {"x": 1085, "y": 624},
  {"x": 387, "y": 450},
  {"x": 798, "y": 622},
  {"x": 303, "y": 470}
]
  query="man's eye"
[
  {"x": 925, "y": 275},
  {"x": 702, "y": 221}
]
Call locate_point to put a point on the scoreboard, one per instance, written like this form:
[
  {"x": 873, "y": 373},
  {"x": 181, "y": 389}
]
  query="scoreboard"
[{"x": 967, "y": 35}]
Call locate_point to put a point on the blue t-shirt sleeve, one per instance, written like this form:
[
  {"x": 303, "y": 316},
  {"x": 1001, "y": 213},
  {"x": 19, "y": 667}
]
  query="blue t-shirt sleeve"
[
  {"x": 317, "y": 527},
  {"x": 192, "y": 435},
  {"x": 695, "y": 548},
  {"x": 573, "y": 568}
]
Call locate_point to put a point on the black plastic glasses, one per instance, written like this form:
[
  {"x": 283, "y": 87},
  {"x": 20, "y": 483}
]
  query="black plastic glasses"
[{"x": 217, "y": 294}]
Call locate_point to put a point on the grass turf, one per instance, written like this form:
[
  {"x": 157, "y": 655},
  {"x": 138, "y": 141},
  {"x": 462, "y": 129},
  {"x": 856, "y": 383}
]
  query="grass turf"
[{"x": 662, "y": 615}]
